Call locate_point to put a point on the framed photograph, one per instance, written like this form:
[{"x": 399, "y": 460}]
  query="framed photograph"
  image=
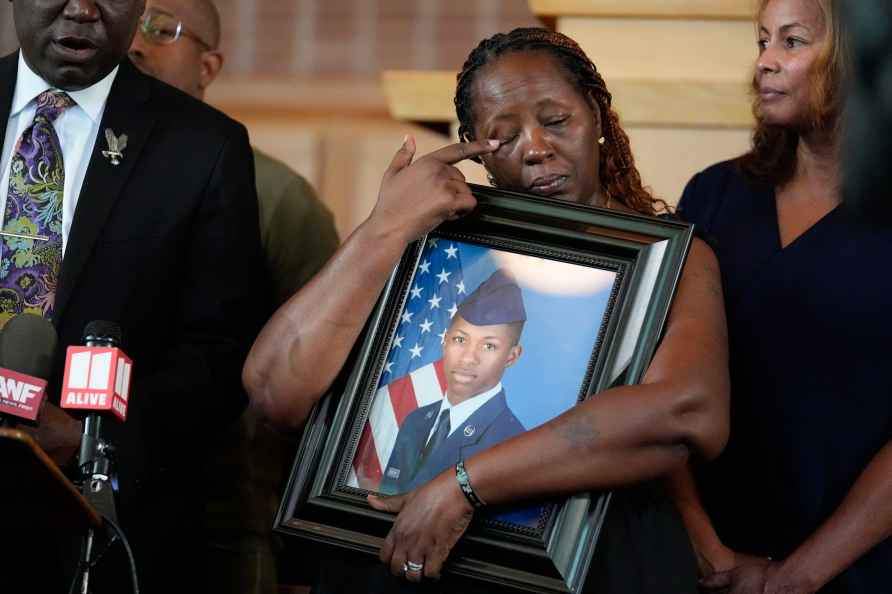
[{"x": 489, "y": 326}]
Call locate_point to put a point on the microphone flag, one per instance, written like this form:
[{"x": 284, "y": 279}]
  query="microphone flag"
[
  {"x": 20, "y": 394},
  {"x": 97, "y": 379}
]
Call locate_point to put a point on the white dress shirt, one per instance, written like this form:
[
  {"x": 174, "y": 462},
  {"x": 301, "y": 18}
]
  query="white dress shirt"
[
  {"x": 77, "y": 128},
  {"x": 460, "y": 412}
]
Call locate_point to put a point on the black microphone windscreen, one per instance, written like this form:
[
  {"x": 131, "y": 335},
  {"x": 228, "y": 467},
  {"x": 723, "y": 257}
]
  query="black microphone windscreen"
[
  {"x": 27, "y": 345},
  {"x": 103, "y": 331}
]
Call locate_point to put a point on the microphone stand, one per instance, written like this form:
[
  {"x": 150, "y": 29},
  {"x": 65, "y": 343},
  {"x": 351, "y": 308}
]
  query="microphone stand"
[{"x": 95, "y": 459}]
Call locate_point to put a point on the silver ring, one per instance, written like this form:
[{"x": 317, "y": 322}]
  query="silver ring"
[
  {"x": 414, "y": 566},
  {"x": 405, "y": 569}
]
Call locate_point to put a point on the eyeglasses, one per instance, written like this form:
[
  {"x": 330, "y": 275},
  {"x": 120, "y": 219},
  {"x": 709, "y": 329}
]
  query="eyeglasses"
[{"x": 162, "y": 28}]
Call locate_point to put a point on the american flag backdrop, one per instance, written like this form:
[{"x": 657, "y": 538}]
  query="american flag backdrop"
[{"x": 413, "y": 373}]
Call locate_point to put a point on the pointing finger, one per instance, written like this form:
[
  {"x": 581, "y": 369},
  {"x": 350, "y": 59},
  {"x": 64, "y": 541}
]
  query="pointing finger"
[
  {"x": 463, "y": 150},
  {"x": 402, "y": 158}
]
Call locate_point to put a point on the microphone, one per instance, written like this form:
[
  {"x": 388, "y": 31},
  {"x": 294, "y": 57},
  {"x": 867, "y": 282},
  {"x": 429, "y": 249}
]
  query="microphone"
[
  {"x": 27, "y": 344},
  {"x": 97, "y": 376},
  {"x": 97, "y": 379}
]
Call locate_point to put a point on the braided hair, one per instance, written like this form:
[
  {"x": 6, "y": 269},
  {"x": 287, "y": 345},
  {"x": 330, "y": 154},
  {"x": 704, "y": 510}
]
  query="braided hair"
[{"x": 620, "y": 180}]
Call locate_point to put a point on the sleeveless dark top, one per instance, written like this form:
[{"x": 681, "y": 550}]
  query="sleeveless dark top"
[{"x": 810, "y": 336}]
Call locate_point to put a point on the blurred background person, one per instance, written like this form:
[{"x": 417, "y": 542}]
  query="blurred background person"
[
  {"x": 799, "y": 501},
  {"x": 178, "y": 42},
  {"x": 868, "y": 138}
]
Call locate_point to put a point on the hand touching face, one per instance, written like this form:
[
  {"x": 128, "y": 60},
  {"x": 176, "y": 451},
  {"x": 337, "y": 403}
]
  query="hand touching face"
[{"x": 547, "y": 130}]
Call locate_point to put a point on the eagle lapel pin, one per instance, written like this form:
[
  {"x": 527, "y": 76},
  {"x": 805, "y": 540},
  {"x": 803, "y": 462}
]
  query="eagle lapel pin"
[{"x": 116, "y": 146}]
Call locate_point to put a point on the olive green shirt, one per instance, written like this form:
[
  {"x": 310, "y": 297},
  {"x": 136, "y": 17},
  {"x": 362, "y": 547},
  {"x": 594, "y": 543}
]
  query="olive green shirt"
[{"x": 296, "y": 229}]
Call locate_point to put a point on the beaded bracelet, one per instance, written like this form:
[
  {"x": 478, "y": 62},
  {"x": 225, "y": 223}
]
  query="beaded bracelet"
[{"x": 464, "y": 483}]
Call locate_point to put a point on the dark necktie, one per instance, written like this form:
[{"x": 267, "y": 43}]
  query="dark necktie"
[
  {"x": 439, "y": 436},
  {"x": 31, "y": 250}
]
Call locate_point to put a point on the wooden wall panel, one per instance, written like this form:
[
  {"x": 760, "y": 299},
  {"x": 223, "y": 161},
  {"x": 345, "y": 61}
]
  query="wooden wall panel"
[
  {"x": 660, "y": 49},
  {"x": 668, "y": 157},
  {"x": 693, "y": 9}
]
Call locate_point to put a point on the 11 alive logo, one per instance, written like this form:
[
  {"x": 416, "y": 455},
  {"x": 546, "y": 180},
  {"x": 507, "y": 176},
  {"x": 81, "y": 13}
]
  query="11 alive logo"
[{"x": 97, "y": 378}]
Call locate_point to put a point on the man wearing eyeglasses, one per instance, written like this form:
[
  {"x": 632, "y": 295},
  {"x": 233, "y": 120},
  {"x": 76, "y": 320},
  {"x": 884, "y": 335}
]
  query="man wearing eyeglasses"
[
  {"x": 126, "y": 200},
  {"x": 178, "y": 42}
]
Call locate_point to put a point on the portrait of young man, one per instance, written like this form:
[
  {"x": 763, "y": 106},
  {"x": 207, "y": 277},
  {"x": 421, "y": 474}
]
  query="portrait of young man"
[{"x": 482, "y": 341}]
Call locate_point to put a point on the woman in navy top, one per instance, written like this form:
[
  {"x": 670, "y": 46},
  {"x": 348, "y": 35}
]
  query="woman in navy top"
[{"x": 806, "y": 478}]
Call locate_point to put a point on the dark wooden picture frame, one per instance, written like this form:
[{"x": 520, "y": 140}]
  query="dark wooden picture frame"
[{"x": 647, "y": 254}]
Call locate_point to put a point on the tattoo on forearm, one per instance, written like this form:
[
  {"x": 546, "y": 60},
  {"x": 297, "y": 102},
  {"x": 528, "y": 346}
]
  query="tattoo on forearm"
[{"x": 579, "y": 432}]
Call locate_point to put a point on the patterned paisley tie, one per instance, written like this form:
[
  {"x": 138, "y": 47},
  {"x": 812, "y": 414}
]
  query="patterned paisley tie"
[{"x": 31, "y": 253}]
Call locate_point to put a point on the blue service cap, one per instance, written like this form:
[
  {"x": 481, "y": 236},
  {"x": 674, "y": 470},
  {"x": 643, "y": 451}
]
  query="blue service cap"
[{"x": 498, "y": 300}]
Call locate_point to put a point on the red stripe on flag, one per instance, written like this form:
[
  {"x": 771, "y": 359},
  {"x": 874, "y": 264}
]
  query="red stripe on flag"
[
  {"x": 365, "y": 462},
  {"x": 441, "y": 374},
  {"x": 402, "y": 397}
]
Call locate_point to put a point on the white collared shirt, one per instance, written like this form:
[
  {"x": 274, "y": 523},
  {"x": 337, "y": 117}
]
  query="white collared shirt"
[
  {"x": 77, "y": 128},
  {"x": 460, "y": 413}
]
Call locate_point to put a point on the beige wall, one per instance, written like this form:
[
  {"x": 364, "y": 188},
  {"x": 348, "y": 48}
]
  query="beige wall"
[{"x": 680, "y": 77}]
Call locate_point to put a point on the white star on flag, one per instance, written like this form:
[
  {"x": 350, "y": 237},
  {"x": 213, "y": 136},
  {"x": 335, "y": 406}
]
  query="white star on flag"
[
  {"x": 398, "y": 342},
  {"x": 435, "y": 302},
  {"x": 426, "y": 326},
  {"x": 444, "y": 276},
  {"x": 416, "y": 292},
  {"x": 460, "y": 288},
  {"x": 388, "y": 366},
  {"x": 433, "y": 242},
  {"x": 452, "y": 311},
  {"x": 407, "y": 317},
  {"x": 416, "y": 350},
  {"x": 424, "y": 267},
  {"x": 451, "y": 251},
  {"x": 442, "y": 336}
]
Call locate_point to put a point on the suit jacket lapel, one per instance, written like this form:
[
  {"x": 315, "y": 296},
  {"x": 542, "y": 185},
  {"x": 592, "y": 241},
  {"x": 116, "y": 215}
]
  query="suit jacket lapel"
[
  {"x": 8, "y": 72},
  {"x": 127, "y": 111}
]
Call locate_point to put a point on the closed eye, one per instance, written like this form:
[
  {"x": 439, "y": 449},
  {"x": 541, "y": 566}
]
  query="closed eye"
[{"x": 508, "y": 139}]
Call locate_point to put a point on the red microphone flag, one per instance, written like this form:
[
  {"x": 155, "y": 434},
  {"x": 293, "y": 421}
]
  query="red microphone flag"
[
  {"x": 97, "y": 378},
  {"x": 20, "y": 394}
]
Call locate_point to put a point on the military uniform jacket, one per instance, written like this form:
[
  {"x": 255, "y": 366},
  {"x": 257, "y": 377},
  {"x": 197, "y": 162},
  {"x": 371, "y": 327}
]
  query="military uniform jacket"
[{"x": 488, "y": 425}]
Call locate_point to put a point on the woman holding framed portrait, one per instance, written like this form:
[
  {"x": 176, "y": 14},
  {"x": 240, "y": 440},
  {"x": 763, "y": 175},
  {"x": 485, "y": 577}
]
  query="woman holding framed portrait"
[
  {"x": 799, "y": 502},
  {"x": 535, "y": 111}
]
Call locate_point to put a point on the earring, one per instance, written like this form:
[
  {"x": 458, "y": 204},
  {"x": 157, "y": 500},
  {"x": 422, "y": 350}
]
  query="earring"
[{"x": 601, "y": 140}]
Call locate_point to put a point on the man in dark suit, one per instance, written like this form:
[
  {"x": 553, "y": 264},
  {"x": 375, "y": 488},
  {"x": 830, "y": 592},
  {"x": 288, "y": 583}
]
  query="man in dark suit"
[
  {"x": 159, "y": 234},
  {"x": 482, "y": 341}
]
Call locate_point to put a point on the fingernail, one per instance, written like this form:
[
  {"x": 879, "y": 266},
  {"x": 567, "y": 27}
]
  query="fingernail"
[
  {"x": 405, "y": 139},
  {"x": 494, "y": 143}
]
